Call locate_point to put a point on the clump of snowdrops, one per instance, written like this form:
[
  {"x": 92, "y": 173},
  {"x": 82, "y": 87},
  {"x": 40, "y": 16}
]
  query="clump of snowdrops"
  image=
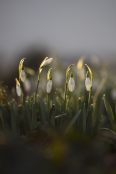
[{"x": 63, "y": 112}]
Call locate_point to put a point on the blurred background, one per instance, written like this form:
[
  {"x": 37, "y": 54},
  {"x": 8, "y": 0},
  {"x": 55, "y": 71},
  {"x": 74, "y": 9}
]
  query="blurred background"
[{"x": 64, "y": 29}]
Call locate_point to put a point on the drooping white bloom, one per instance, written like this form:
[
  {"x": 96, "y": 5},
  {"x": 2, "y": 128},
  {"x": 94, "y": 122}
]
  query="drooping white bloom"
[
  {"x": 49, "y": 86},
  {"x": 71, "y": 84},
  {"x": 18, "y": 90},
  {"x": 46, "y": 62},
  {"x": 23, "y": 75},
  {"x": 88, "y": 83}
]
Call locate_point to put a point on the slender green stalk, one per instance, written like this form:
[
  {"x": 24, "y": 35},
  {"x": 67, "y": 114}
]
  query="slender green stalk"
[
  {"x": 21, "y": 97},
  {"x": 37, "y": 87},
  {"x": 48, "y": 104},
  {"x": 84, "y": 119},
  {"x": 66, "y": 85},
  {"x": 98, "y": 90},
  {"x": 109, "y": 112},
  {"x": 72, "y": 122},
  {"x": 34, "y": 118},
  {"x": 23, "y": 112},
  {"x": 89, "y": 101}
]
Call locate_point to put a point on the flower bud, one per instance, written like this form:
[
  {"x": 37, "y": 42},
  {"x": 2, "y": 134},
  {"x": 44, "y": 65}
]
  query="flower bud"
[
  {"x": 88, "y": 83},
  {"x": 49, "y": 86},
  {"x": 18, "y": 90},
  {"x": 22, "y": 75},
  {"x": 46, "y": 62},
  {"x": 71, "y": 83}
]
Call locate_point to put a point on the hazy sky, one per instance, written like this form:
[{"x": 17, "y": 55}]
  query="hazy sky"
[{"x": 68, "y": 26}]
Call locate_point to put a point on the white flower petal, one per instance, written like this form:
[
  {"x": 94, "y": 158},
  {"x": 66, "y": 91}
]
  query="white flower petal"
[
  {"x": 71, "y": 84},
  {"x": 49, "y": 86},
  {"x": 88, "y": 83},
  {"x": 46, "y": 62},
  {"x": 23, "y": 75},
  {"x": 18, "y": 91}
]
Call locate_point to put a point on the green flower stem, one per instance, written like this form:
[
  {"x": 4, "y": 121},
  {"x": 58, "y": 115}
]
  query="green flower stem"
[
  {"x": 48, "y": 104},
  {"x": 23, "y": 111},
  {"x": 37, "y": 87},
  {"x": 66, "y": 85},
  {"x": 21, "y": 98},
  {"x": 89, "y": 101},
  {"x": 36, "y": 90},
  {"x": 78, "y": 85}
]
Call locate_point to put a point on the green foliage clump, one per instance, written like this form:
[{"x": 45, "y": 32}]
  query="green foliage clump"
[{"x": 57, "y": 113}]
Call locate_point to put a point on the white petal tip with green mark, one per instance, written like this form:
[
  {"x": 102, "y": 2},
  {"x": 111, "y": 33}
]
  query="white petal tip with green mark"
[
  {"x": 18, "y": 91},
  {"x": 88, "y": 83},
  {"x": 71, "y": 84},
  {"x": 49, "y": 86}
]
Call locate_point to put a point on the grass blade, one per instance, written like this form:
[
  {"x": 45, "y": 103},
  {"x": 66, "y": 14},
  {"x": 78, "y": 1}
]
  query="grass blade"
[
  {"x": 34, "y": 118},
  {"x": 84, "y": 119},
  {"x": 27, "y": 117},
  {"x": 98, "y": 116},
  {"x": 42, "y": 110},
  {"x": 51, "y": 113},
  {"x": 109, "y": 112},
  {"x": 72, "y": 122},
  {"x": 14, "y": 117}
]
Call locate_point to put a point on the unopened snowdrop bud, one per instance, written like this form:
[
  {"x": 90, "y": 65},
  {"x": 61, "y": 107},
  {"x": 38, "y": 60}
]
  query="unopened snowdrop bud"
[
  {"x": 23, "y": 75},
  {"x": 46, "y": 62},
  {"x": 71, "y": 83},
  {"x": 88, "y": 83},
  {"x": 21, "y": 70},
  {"x": 18, "y": 90},
  {"x": 49, "y": 86}
]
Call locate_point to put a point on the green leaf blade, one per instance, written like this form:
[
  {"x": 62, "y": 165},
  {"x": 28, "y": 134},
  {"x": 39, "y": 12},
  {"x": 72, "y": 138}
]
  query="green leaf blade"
[
  {"x": 72, "y": 122},
  {"x": 109, "y": 112}
]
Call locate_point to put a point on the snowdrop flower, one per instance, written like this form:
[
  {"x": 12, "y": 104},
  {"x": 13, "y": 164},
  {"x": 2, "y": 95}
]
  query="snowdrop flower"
[
  {"x": 18, "y": 90},
  {"x": 49, "y": 86},
  {"x": 71, "y": 83},
  {"x": 88, "y": 83},
  {"x": 49, "y": 79},
  {"x": 45, "y": 62},
  {"x": 22, "y": 75}
]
